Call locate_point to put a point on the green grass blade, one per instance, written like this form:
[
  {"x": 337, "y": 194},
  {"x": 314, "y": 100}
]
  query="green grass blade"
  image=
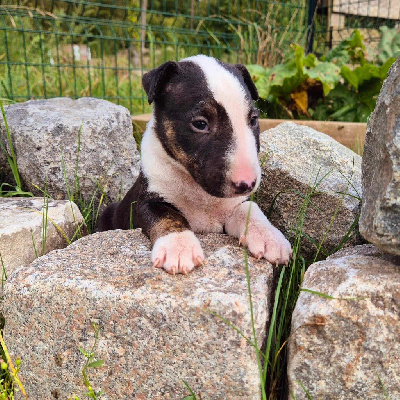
[
  {"x": 192, "y": 394},
  {"x": 326, "y": 296},
  {"x": 272, "y": 324},
  {"x": 305, "y": 390},
  {"x": 385, "y": 393},
  {"x": 3, "y": 273}
]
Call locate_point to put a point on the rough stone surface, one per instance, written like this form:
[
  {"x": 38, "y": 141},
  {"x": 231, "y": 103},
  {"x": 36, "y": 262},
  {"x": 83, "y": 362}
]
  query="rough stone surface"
[
  {"x": 156, "y": 329},
  {"x": 294, "y": 160},
  {"x": 21, "y": 225},
  {"x": 339, "y": 349},
  {"x": 44, "y": 132},
  {"x": 380, "y": 212}
]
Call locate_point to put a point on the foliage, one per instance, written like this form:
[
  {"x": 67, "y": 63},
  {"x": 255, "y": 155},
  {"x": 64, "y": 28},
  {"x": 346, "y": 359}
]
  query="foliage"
[
  {"x": 91, "y": 362},
  {"x": 389, "y": 46},
  {"x": 343, "y": 85}
]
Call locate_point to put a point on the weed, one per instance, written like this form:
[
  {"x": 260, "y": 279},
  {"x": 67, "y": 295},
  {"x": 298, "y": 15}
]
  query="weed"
[
  {"x": 90, "y": 209},
  {"x": 91, "y": 362},
  {"x": 7, "y": 190}
]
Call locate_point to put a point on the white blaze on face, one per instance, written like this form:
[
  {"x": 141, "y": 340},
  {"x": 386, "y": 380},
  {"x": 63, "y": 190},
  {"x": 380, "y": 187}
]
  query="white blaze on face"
[{"x": 229, "y": 92}]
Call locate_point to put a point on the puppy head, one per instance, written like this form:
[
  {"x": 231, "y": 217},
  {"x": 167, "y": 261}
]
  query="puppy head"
[{"x": 206, "y": 120}]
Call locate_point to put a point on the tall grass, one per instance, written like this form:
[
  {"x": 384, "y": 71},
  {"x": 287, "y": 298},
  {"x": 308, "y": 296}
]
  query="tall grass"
[
  {"x": 7, "y": 189},
  {"x": 90, "y": 208},
  {"x": 272, "y": 358}
]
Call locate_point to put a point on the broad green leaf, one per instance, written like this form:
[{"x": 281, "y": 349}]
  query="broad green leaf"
[
  {"x": 257, "y": 72},
  {"x": 361, "y": 74},
  {"x": 367, "y": 72},
  {"x": 286, "y": 77},
  {"x": 384, "y": 69},
  {"x": 264, "y": 87},
  {"x": 96, "y": 364},
  {"x": 310, "y": 61},
  {"x": 349, "y": 76},
  {"x": 327, "y": 73}
]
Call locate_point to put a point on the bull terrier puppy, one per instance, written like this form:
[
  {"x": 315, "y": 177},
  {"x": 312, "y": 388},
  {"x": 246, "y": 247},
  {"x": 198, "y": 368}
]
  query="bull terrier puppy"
[{"x": 199, "y": 166}]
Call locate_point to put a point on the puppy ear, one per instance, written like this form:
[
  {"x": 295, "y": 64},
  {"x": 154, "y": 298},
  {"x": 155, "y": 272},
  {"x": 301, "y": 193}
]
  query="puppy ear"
[
  {"x": 248, "y": 81},
  {"x": 155, "y": 80}
]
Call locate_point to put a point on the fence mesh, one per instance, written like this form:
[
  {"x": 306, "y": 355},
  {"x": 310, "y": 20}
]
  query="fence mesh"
[{"x": 101, "y": 48}]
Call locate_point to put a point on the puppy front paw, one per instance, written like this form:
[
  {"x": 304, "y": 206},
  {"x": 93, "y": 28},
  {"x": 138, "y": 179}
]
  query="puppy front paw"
[
  {"x": 177, "y": 252},
  {"x": 265, "y": 241}
]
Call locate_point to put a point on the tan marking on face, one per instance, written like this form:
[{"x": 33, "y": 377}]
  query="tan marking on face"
[
  {"x": 165, "y": 226},
  {"x": 173, "y": 145}
]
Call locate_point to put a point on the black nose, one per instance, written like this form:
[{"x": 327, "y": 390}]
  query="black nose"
[{"x": 243, "y": 187}]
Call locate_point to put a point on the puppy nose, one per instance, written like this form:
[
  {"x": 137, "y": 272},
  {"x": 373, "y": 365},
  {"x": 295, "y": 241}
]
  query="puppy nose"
[{"x": 243, "y": 187}]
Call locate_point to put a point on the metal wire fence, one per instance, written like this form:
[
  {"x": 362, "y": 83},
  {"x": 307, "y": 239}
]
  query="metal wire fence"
[{"x": 101, "y": 48}]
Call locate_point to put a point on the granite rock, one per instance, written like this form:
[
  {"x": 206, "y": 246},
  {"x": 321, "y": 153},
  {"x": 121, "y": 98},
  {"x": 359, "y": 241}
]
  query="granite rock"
[
  {"x": 156, "y": 330},
  {"x": 339, "y": 348},
  {"x": 380, "y": 212},
  {"x": 21, "y": 228},
  {"x": 45, "y": 135},
  {"x": 297, "y": 161}
]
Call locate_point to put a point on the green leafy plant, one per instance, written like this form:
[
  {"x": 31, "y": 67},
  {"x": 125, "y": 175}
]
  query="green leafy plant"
[
  {"x": 343, "y": 85},
  {"x": 91, "y": 362}
]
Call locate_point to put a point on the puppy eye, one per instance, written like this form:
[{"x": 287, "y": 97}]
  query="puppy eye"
[
  {"x": 200, "y": 125},
  {"x": 254, "y": 120}
]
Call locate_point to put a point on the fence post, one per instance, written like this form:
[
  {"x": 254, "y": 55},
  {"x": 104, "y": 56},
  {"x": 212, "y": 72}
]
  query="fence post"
[{"x": 312, "y": 7}]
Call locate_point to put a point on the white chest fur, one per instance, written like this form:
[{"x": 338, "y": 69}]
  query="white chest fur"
[{"x": 168, "y": 178}]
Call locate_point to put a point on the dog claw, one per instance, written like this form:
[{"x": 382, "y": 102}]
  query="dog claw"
[
  {"x": 200, "y": 261},
  {"x": 157, "y": 263}
]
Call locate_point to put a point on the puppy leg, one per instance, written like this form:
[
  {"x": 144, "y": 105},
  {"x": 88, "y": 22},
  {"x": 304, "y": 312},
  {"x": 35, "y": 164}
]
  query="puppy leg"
[
  {"x": 177, "y": 252},
  {"x": 262, "y": 239},
  {"x": 105, "y": 222},
  {"x": 175, "y": 246}
]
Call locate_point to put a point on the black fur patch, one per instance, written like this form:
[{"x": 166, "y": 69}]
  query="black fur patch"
[{"x": 142, "y": 209}]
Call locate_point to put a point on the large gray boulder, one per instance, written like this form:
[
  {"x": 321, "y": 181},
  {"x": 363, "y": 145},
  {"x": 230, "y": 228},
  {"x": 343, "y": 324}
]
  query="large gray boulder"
[
  {"x": 341, "y": 348},
  {"x": 156, "y": 329},
  {"x": 298, "y": 161},
  {"x": 45, "y": 134},
  {"x": 22, "y": 234},
  {"x": 380, "y": 213}
]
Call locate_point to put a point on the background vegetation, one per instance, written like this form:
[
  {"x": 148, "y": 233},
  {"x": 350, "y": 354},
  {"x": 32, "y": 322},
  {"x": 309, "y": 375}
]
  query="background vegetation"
[
  {"x": 81, "y": 48},
  {"x": 342, "y": 85}
]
